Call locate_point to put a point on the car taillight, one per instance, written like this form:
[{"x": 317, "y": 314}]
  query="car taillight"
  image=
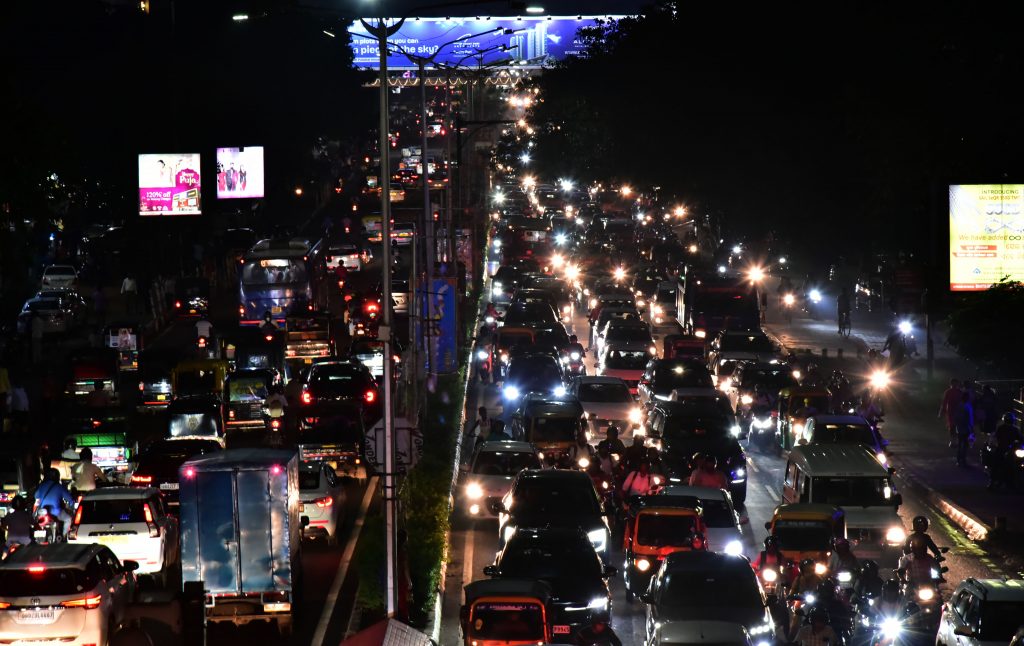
[
  {"x": 89, "y": 603},
  {"x": 231, "y": 414},
  {"x": 326, "y": 501},
  {"x": 96, "y": 423},
  {"x": 370, "y": 396},
  {"x": 154, "y": 529},
  {"x": 275, "y": 423},
  {"x": 241, "y": 310},
  {"x": 141, "y": 479},
  {"x": 177, "y": 304},
  {"x": 202, "y": 342},
  {"x": 78, "y": 516},
  {"x": 268, "y": 338},
  {"x": 36, "y": 569},
  {"x": 3, "y": 604},
  {"x": 142, "y": 386},
  {"x": 307, "y": 397}
]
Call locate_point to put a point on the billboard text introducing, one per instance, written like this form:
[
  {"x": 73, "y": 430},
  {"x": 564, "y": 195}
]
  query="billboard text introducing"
[
  {"x": 169, "y": 185},
  {"x": 986, "y": 235}
]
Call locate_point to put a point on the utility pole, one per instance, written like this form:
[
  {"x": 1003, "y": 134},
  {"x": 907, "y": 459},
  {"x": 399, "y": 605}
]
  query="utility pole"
[{"x": 428, "y": 227}]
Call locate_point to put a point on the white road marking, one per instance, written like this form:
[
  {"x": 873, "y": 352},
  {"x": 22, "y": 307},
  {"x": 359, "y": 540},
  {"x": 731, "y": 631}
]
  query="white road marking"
[
  {"x": 771, "y": 493},
  {"x": 346, "y": 559},
  {"x": 467, "y": 557}
]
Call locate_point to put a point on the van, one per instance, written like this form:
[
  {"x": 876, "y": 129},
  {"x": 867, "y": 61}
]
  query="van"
[{"x": 850, "y": 477}]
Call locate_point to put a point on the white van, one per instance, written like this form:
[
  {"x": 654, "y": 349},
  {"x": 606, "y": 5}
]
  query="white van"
[{"x": 851, "y": 477}]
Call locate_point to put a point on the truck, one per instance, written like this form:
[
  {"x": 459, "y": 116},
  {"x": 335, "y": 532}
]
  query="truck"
[{"x": 241, "y": 535}]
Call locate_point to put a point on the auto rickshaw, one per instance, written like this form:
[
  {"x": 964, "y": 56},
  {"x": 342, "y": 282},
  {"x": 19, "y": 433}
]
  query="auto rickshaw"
[
  {"x": 795, "y": 405},
  {"x": 125, "y": 339},
  {"x": 656, "y": 527},
  {"x": 806, "y": 531},
  {"x": 246, "y": 393},
  {"x": 506, "y": 612},
  {"x": 111, "y": 452},
  {"x": 683, "y": 346},
  {"x": 199, "y": 377},
  {"x": 338, "y": 441},
  {"x": 252, "y": 348},
  {"x": 549, "y": 423},
  {"x": 198, "y": 416}
]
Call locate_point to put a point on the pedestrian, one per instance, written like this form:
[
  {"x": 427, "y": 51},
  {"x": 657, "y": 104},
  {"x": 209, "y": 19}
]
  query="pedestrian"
[
  {"x": 964, "y": 428},
  {"x": 481, "y": 427},
  {"x": 130, "y": 293},
  {"x": 948, "y": 408},
  {"x": 17, "y": 404}
]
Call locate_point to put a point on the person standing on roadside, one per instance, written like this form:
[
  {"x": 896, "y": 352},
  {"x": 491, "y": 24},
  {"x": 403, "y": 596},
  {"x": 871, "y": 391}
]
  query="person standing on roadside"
[
  {"x": 964, "y": 428},
  {"x": 130, "y": 293},
  {"x": 949, "y": 407}
]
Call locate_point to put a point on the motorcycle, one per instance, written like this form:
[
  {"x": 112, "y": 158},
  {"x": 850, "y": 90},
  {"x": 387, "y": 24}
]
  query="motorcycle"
[
  {"x": 788, "y": 305},
  {"x": 573, "y": 362},
  {"x": 762, "y": 428},
  {"x": 47, "y": 528},
  {"x": 812, "y": 303},
  {"x": 273, "y": 419},
  {"x": 482, "y": 359},
  {"x": 1004, "y": 466}
]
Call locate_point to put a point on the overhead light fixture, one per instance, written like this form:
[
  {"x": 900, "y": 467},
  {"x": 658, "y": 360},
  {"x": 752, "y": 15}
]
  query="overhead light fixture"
[
  {"x": 239, "y": 17},
  {"x": 329, "y": 34},
  {"x": 535, "y": 9}
]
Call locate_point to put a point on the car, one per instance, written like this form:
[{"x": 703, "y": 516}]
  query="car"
[
  {"x": 626, "y": 363},
  {"x": 701, "y": 632},
  {"x": 721, "y": 521},
  {"x": 565, "y": 559},
  {"x": 70, "y": 593},
  {"x": 549, "y": 422},
  {"x": 191, "y": 298},
  {"x": 70, "y": 299},
  {"x": 540, "y": 373},
  {"x": 134, "y": 523},
  {"x": 490, "y": 472},
  {"x": 337, "y": 383},
  {"x": 503, "y": 285},
  {"x": 321, "y": 499},
  {"x": 607, "y": 314},
  {"x": 553, "y": 498},
  {"x": 606, "y": 401},
  {"x": 707, "y": 586},
  {"x": 155, "y": 371},
  {"x": 59, "y": 277},
  {"x": 844, "y": 429},
  {"x": 732, "y": 346},
  {"x": 662, "y": 376},
  {"x": 662, "y": 308},
  {"x": 158, "y": 465},
  {"x": 626, "y": 334},
  {"x": 343, "y": 254},
  {"x": 982, "y": 612},
  {"x": 698, "y": 425},
  {"x": 523, "y": 314},
  {"x": 748, "y": 376},
  {"x": 56, "y": 315}
]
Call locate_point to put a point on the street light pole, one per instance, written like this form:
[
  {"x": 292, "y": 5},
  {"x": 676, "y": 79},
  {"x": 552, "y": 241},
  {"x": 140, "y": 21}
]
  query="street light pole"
[{"x": 428, "y": 224}]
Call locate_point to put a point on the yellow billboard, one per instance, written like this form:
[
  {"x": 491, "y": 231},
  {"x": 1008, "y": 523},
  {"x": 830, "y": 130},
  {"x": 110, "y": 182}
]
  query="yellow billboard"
[{"x": 986, "y": 235}]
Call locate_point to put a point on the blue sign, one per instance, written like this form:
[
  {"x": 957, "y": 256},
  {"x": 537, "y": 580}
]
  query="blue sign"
[
  {"x": 439, "y": 326},
  {"x": 524, "y": 42}
]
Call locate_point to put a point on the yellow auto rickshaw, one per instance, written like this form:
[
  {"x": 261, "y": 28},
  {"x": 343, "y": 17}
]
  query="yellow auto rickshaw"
[
  {"x": 806, "y": 531},
  {"x": 199, "y": 377},
  {"x": 507, "y": 612},
  {"x": 796, "y": 404}
]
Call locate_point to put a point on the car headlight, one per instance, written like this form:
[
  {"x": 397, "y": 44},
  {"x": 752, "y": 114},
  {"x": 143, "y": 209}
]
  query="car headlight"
[
  {"x": 474, "y": 491},
  {"x": 584, "y": 463},
  {"x": 926, "y": 594},
  {"x": 497, "y": 244},
  {"x": 640, "y": 302},
  {"x": 566, "y": 308},
  {"x": 642, "y": 564},
  {"x": 653, "y": 350},
  {"x": 599, "y": 538},
  {"x": 511, "y": 392},
  {"x": 769, "y": 575},
  {"x": 593, "y": 303},
  {"x": 815, "y": 296},
  {"x": 895, "y": 535},
  {"x": 798, "y": 428},
  {"x": 600, "y": 603},
  {"x": 700, "y": 334},
  {"x": 724, "y": 383},
  {"x": 657, "y": 309},
  {"x": 504, "y": 358},
  {"x": 739, "y": 474},
  {"x": 509, "y": 532},
  {"x": 482, "y": 354},
  {"x": 559, "y": 391},
  {"x": 809, "y": 598},
  {"x": 734, "y": 548},
  {"x": 762, "y": 629},
  {"x": 820, "y": 569},
  {"x": 882, "y": 459},
  {"x": 746, "y": 400},
  {"x": 735, "y": 430},
  {"x": 891, "y": 628},
  {"x": 1019, "y": 453},
  {"x": 635, "y": 415},
  {"x": 496, "y": 291},
  {"x": 844, "y": 577}
]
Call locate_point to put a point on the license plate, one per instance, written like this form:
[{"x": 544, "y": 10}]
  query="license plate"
[
  {"x": 40, "y": 616},
  {"x": 308, "y": 360},
  {"x": 169, "y": 486},
  {"x": 275, "y": 310},
  {"x": 39, "y": 534},
  {"x": 560, "y": 630},
  {"x": 161, "y": 398}
]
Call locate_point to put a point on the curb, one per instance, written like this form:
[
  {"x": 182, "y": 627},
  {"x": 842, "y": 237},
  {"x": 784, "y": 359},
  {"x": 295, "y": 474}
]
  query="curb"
[{"x": 970, "y": 524}]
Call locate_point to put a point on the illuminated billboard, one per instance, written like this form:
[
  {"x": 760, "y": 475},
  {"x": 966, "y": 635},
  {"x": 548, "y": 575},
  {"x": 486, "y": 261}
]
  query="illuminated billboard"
[
  {"x": 525, "y": 42},
  {"x": 240, "y": 172},
  {"x": 986, "y": 235},
  {"x": 169, "y": 185}
]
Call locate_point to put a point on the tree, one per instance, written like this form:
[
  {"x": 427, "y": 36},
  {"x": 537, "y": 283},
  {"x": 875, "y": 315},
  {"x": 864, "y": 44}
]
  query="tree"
[{"x": 983, "y": 325}]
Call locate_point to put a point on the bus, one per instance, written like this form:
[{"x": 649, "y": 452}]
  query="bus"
[
  {"x": 275, "y": 278},
  {"x": 707, "y": 305}
]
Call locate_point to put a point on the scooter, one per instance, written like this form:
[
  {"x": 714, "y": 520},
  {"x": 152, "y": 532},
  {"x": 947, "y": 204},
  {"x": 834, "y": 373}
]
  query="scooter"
[
  {"x": 482, "y": 359},
  {"x": 47, "y": 529}
]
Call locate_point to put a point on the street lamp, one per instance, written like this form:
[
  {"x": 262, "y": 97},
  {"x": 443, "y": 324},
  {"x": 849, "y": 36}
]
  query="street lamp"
[
  {"x": 525, "y": 158},
  {"x": 626, "y": 191}
]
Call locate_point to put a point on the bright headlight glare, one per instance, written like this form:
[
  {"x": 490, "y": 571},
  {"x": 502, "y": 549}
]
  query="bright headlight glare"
[
  {"x": 895, "y": 535},
  {"x": 635, "y": 415},
  {"x": 815, "y": 296},
  {"x": 642, "y": 564},
  {"x": 820, "y": 569},
  {"x": 844, "y": 577},
  {"x": 739, "y": 473},
  {"x": 810, "y": 598},
  {"x": 769, "y": 575},
  {"x": 496, "y": 291},
  {"x": 593, "y": 303},
  {"x": 1019, "y": 453},
  {"x": 600, "y": 603},
  {"x": 746, "y": 400},
  {"x": 798, "y": 428},
  {"x": 509, "y": 531},
  {"x": 905, "y": 327},
  {"x": 734, "y": 548},
  {"x": 891, "y": 628},
  {"x": 879, "y": 379},
  {"x": 926, "y": 594},
  {"x": 584, "y": 463},
  {"x": 481, "y": 354},
  {"x": 559, "y": 391},
  {"x": 511, "y": 392},
  {"x": 599, "y": 538},
  {"x": 474, "y": 491},
  {"x": 735, "y": 430}
]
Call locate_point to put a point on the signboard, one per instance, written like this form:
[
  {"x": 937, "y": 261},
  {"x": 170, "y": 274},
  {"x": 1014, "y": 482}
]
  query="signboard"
[
  {"x": 439, "y": 325},
  {"x": 528, "y": 41},
  {"x": 986, "y": 235},
  {"x": 169, "y": 185},
  {"x": 239, "y": 172},
  {"x": 408, "y": 445}
]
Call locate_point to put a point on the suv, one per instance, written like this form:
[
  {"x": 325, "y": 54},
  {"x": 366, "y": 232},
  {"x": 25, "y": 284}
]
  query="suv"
[
  {"x": 64, "y": 592},
  {"x": 662, "y": 376},
  {"x": 335, "y": 384},
  {"x": 981, "y": 612}
]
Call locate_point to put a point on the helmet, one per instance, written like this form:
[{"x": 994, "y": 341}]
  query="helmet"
[
  {"x": 891, "y": 589},
  {"x": 770, "y": 543},
  {"x": 573, "y": 338},
  {"x": 869, "y": 569},
  {"x": 613, "y": 430},
  {"x": 920, "y": 523},
  {"x": 819, "y": 614},
  {"x": 1010, "y": 419},
  {"x": 711, "y": 462},
  {"x": 841, "y": 544},
  {"x": 917, "y": 545},
  {"x": 826, "y": 591}
]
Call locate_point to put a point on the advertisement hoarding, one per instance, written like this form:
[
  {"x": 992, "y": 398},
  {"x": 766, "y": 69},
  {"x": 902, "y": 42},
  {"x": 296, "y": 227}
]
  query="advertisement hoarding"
[
  {"x": 239, "y": 172},
  {"x": 169, "y": 185},
  {"x": 528, "y": 41},
  {"x": 986, "y": 235},
  {"x": 439, "y": 325}
]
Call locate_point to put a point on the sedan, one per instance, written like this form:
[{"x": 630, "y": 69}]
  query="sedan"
[
  {"x": 59, "y": 277},
  {"x": 54, "y": 313},
  {"x": 337, "y": 384},
  {"x": 490, "y": 473},
  {"x": 322, "y": 500},
  {"x": 721, "y": 521},
  {"x": 606, "y": 401}
]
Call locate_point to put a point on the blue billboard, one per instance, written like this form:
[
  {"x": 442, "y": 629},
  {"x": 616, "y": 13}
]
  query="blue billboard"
[
  {"x": 439, "y": 326},
  {"x": 526, "y": 42}
]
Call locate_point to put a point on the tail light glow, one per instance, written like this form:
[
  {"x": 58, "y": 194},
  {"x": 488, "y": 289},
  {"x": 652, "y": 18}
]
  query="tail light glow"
[
  {"x": 142, "y": 479},
  {"x": 324, "y": 502},
  {"x": 88, "y": 603},
  {"x": 370, "y": 396},
  {"x": 307, "y": 397}
]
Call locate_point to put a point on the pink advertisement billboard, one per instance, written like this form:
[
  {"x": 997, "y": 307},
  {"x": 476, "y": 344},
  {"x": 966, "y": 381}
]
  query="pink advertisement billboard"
[
  {"x": 169, "y": 185},
  {"x": 239, "y": 172}
]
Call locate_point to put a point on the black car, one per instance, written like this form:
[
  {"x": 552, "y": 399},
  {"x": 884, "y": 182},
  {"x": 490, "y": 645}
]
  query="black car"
[
  {"x": 700, "y": 425},
  {"x": 528, "y": 314},
  {"x": 158, "y": 465},
  {"x": 553, "y": 498},
  {"x": 337, "y": 384},
  {"x": 708, "y": 586},
  {"x": 565, "y": 560},
  {"x": 532, "y": 373},
  {"x": 770, "y": 378},
  {"x": 662, "y": 376}
]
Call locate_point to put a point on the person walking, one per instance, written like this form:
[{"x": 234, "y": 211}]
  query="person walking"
[
  {"x": 948, "y": 408},
  {"x": 964, "y": 425},
  {"x": 130, "y": 293},
  {"x": 481, "y": 427}
]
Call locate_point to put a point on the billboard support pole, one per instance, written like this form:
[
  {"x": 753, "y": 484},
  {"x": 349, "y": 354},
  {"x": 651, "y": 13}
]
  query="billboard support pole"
[{"x": 428, "y": 222}]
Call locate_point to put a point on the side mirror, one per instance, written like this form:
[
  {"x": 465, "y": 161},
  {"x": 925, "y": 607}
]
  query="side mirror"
[
  {"x": 897, "y": 499},
  {"x": 768, "y": 525},
  {"x": 129, "y": 565},
  {"x": 610, "y": 571},
  {"x": 964, "y": 631},
  {"x": 305, "y": 521},
  {"x": 495, "y": 506},
  {"x": 490, "y": 570}
]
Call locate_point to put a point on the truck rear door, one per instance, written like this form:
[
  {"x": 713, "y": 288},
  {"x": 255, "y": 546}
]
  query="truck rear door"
[
  {"x": 218, "y": 531},
  {"x": 257, "y": 524}
]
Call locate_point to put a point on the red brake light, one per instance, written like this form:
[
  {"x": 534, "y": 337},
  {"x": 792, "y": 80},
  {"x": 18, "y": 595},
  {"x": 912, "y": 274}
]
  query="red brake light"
[
  {"x": 202, "y": 342},
  {"x": 231, "y": 414},
  {"x": 190, "y": 472},
  {"x": 370, "y": 396},
  {"x": 307, "y": 397},
  {"x": 326, "y": 501},
  {"x": 275, "y": 423},
  {"x": 37, "y": 569},
  {"x": 177, "y": 304},
  {"x": 275, "y": 470},
  {"x": 141, "y": 387},
  {"x": 88, "y": 602},
  {"x": 269, "y": 338},
  {"x": 3, "y": 604},
  {"x": 372, "y": 307},
  {"x": 96, "y": 423},
  {"x": 78, "y": 515},
  {"x": 148, "y": 512},
  {"x": 142, "y": 479}
]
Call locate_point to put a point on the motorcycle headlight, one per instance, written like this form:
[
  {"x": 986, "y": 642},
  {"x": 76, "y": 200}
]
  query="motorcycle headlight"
[
  {"x": 735, "y": 430},
  {"x": 769, "y": 575},
  {"x": 809, "y": 598},
  {"x": 584, "y": 463},
  {"x": 559, "y": 391},
  {"x": 891, "y": 628},
  {"x": 604, "y": 484},
  {"x": 474, "y": 491},
  {"x": 798, "y": 428},
  {"x": 926, "y": 594},
  {"x": 815, "y": 296},
  {"x": 566, "y": 309},
  {"x": 746, "y": 400},
  {"x": 734, "y": 548},
  {"x": 600, "y": 603},
  {"x": 575, "y": 356},
  {"x": 635, "y": 415},
  {"x": 895, "y": 535},
  {"x": 496, "y": 290},
  {"x": 509, "y": 531},
  {"x": 640, "y": 302},
  {"x": 739, "y": 474},
  {"x": 599, "y": 538},
  {"x": 844, "y": 577},
  {"x": 593, "y": 303},
  {"x": 642, "y": 564},
  {"x": 511, "y": 392},
  {"x": 481, "y": 354},
  {"x": 1019, "y": 453},
  {"x": 820, "y": 569},
  {"x": 504, "y": 358}
]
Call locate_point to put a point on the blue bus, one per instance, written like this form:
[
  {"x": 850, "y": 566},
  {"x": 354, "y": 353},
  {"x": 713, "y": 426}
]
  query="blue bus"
[{"x": 275, "y": 278}]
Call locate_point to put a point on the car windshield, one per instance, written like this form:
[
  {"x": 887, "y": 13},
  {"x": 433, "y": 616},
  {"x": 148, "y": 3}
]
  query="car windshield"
[
  {"x": 717, "y": 514},
  {"x": 628, "y": 334},
  {"x": 802, "y": 535},
  {"x": 247, "y": 389},
  {"x": 541, "y": 496},
  {"x": 506, "y": 276},
  {"x": 56, "y": 582},
  {"x": 843, "y": 434},
  {"x": 273, "y": 271},
  {"x": 771, "y": 379},
  {"x": 673, "y": 530},
  {"x": 504, "y": 463},
  {"x": 668, "y": 379},
  {"x": 112, "y": 511},
  {"x": 195, "y": 382},
  {"x": 309, "y": 479},
  {"x": 626, "y": 360},
  {"x": 168, "y": 452},
  {"x": 526, "y": 559},
  {"x": 604, "y": 392},
  {"x": 561, "y": 428},
  {"x": 851, "y": 492},
  {"x": 741, "y": 343},
  {"x": 44, "y": 305},
  {"x": 508, "y": 621},
  {"x": 689, "y": 589},
  {"x": 529, "y": 373},
  {"x": 1000, "y": 620}
]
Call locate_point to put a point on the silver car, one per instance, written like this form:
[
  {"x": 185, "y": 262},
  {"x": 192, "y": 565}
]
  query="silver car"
[
  {"x": 322, "y": 498},
  {"x": 606, "y": 400},
  {"x": 55, "y": 314},
  {"x": 490, "y": 473},
  {"x": 720, "y": 517},
  {"x": 59, "y": 277}
]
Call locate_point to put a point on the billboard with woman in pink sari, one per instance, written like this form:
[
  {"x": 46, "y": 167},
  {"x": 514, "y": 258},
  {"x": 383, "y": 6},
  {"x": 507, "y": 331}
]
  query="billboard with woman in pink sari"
[{"x": 169, "y": 185}]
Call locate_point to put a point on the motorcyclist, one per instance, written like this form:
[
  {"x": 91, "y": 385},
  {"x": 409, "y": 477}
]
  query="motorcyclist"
[
  {"x": 268, "y": 324},
  {"x": 575, "y": 346},
  {"x": 98, "y": 397},
  {"x": 762, "y": 399},
  {"x": 706, "y": 474},
  {"x": 842, "y": 558},
  {"x": 605, "y": 460},
  {"x": 771, "y": 556},
  {"x": 581, "y": 450},
  {"x": 612, "y": 441},
  {"x": 868, "y": 583},
  {"x": 920, "y": 530},
  {"x": 890, "y": 601},
  {"x": 85, "y": 474},
  {"x": 54, "y": 496},
  {"x": 639, "y": 482},
  {"x": 1004, "y": 440},
  {"x": 817, "y": 632},
  {"x": 635, "y": 453},
  {"x": 491, "y": 315},
  {"x": 807, "y": 580},
  {"x": 17, "y": 524},
  {"x": 843, "y": 307},
  {"x": 827, "y": 600},
  {"x": 916, "y": 567}
]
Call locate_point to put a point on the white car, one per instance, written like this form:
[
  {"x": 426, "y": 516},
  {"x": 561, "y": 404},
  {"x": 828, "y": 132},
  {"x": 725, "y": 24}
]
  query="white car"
[
  {"x": 625, "y": 362},
  {"x": 720, "y": 517},
  {"x": 65, "y": 593},
  {"x": 59, "y": 277},
  {"x": 322, "y": 498},
  {"x": 606, "y": 400},
  {"x": 490, "y": 473},
  {"x": 134, "y": 524},
  {"x": 982, "y": 612}
]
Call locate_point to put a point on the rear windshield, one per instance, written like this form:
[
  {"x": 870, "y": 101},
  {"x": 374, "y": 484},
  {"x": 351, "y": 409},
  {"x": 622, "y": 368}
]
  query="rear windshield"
[
  {"x": 629, "y": 334},
  {"x": 504, "y": 463},
  {"x": 611, "y": 393},
  {"x": 337, "y": 379},
  {"x": 622, "y": 360},
  {"x": 60, "y": 271},
  {"x": 44, "y": 305},
  {"x": 688, "y": 589},
  {"x": 554, "y": 429},
  {"x": 772, "y": 379},
  {"x": 553, "y": 500},
  {"x": 51, "y": 581},
  {"x": 102, "y": 512},
  {"x": 309, "y": 479},
  {"x": 248, "y": 389},
  {"x": 661, "y": 531},
  {"x": 668, "y": 379},
  {"x": 740, "y": 343},
  {"x": 802, "y": 535}
]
